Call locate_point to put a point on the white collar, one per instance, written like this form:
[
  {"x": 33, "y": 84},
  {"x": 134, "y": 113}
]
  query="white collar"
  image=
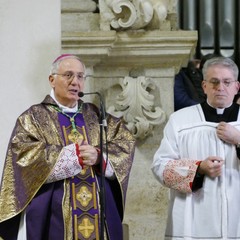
[{"x": 220, "y": 110}]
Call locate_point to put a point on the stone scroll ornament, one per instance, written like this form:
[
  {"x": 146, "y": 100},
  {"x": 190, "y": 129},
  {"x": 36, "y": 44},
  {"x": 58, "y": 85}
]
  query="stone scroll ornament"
[
  {"x": 136, "y": 14},
  {"x": 136, "y": 105}
]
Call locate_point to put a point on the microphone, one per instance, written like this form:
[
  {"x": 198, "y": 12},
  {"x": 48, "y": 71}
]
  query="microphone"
[
  {"x": 80, "y": 94},
  {"x": 102, "y": 107}
]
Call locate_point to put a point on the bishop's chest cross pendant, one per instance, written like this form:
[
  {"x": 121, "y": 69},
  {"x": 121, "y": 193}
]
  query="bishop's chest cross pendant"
[{"x": 75, "y": 136}]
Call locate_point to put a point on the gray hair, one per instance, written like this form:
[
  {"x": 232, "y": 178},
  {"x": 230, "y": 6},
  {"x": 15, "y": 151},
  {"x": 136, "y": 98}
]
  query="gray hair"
[
  {"x": 55, "y": 65},
  {"x": 222, "y": 61}
]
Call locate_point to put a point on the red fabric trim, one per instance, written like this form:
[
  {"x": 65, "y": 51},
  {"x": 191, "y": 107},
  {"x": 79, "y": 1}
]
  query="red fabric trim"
[
  {"x": 97, "y": 167},
  {"x": 198, "y": 163},
  {"x": 104, "y": 162},
  {"x": 80, "y": 160}
]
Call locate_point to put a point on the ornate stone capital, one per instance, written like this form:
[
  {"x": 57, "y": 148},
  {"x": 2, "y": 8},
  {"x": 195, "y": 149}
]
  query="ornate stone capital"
[
  {"x": 136, "y": 105},
  {"x": 112, "y": 55}
]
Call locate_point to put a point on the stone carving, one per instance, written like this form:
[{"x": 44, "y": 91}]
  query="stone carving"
[
  {"x": 136, "y": 105},
  {"x": 135, "y": 14}
]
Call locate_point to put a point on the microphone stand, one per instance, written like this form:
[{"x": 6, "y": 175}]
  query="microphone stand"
[
  {"x": 102, "y": 182},
  {"x": 103, "y": 127}
]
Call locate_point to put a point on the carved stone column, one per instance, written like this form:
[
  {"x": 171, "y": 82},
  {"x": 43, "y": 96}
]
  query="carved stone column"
[{"x": 132, "y": 52}]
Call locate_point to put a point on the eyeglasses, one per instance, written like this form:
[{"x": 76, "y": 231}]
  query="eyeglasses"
[
  {"x": 216, "y": 82},
  {"x": 69, "y": 75}
]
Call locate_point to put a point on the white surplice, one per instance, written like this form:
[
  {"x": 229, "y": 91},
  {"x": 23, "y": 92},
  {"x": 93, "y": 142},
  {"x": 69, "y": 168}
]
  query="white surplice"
[{"x": 213, "y": 211}]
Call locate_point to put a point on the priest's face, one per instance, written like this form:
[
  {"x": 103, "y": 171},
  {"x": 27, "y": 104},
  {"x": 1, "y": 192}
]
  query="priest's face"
[
  {"x": 220, "y": 86},
  {"x": 68, "y": 81}
]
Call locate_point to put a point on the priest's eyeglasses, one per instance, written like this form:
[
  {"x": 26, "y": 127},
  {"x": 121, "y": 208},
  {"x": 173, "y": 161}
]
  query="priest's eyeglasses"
[
  {"x": 69, "y": 75},
  {"x": 216, "y": 82}
]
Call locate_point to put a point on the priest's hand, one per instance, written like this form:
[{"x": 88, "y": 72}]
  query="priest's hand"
[
  {"x": 228, "y": 133},
  {"x": 211, "y": 167},
  {"x": 89, "y": 154}
]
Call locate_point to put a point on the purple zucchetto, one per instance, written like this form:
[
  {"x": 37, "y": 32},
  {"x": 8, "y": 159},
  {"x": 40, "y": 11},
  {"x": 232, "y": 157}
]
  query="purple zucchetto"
[{"x": 63, "y": 56}]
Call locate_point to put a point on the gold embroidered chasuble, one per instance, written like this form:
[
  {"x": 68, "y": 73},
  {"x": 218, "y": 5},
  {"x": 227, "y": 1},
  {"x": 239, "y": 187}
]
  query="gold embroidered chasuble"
[{"x": 34, "y": 147}]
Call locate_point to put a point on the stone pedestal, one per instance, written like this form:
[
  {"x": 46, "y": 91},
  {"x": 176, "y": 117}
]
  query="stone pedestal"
[{"x": 133, "y": 68}]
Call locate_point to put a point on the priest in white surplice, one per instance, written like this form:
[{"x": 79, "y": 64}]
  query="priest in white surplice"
[{"x": 198, "y": 159}]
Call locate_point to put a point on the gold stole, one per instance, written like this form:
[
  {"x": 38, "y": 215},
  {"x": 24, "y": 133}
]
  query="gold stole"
[{"x": 85, "y": 211}]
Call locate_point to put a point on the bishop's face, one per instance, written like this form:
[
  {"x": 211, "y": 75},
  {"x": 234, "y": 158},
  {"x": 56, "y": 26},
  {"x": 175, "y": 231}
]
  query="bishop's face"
[
  {"x": 220, "y": 86},
  {"x": 68, "y": 81}
]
